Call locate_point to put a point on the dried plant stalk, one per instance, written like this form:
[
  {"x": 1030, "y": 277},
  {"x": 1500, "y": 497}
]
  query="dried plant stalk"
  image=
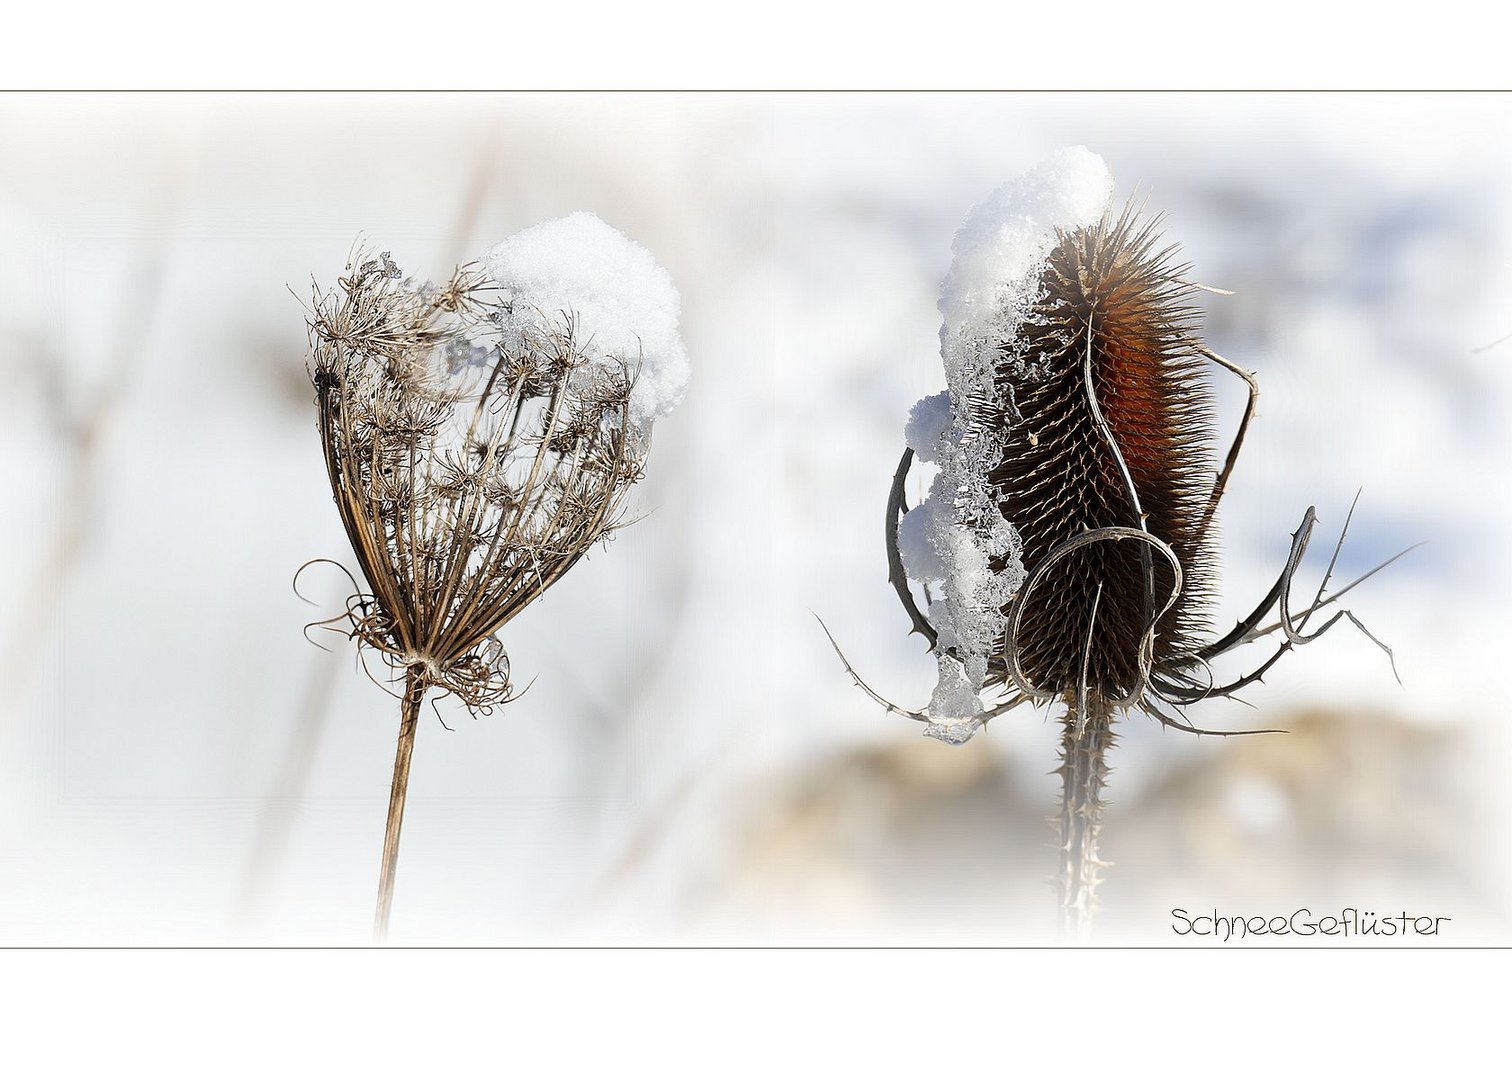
[
  {"x": 475, "y": 452},
  {"x": 1087, "y": 735},
  {"x": 1113, "y": 432},
  {"x": 273, "y": 831},
  {"x": 409, "y": 718}
]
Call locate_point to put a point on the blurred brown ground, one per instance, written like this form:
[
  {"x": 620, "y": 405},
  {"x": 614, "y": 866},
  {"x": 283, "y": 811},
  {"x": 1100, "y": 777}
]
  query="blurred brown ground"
[{"x": 1348, "y": 809}]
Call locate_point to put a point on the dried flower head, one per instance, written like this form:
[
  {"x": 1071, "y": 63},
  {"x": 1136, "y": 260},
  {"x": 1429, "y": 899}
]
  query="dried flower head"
[
  {"x": 468, "y": 476},
  {"x": 478, "y": 444},
  {"x": 1065, "y": 545},
  {"x": 480, "y": 437}
]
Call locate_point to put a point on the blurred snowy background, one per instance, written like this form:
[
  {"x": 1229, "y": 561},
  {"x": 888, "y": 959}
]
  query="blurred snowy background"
[{"x": 178, "y": 765}]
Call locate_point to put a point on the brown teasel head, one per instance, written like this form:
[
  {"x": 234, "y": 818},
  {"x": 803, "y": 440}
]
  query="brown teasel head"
[{"x": 1109, "y": 312}]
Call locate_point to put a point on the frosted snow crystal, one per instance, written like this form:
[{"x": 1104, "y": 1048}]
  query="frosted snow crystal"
[
  {"x": 623, "y": 302},
  {"x": 1001, "y": 249},
  {"x": 917, "y": 543},
  {"x": 927, "y": 421},
  {"x": 463, "y": 352},
  {"x": 954, "y": 733},
  {"x": 956, "y": 535},
  {"x": 956, "y": 695}
]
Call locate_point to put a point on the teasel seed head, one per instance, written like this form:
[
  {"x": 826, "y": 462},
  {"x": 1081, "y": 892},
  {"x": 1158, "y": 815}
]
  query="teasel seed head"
[
  {"x": 1110, "y": 304},
  {"x": 1069, "y": 528},
  {"x": 1066, "y": 544}
]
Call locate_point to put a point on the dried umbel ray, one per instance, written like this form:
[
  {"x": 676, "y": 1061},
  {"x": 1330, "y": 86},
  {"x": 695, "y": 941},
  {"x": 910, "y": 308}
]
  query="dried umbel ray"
[
  {"x": 476, "y": 451},
  {"x": 1100, "y": 422}
]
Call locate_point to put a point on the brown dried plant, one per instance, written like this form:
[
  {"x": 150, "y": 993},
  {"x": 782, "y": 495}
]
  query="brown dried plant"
[
  {"x": 1098, "y": 424},
  {"x": 471, "y": 469}
]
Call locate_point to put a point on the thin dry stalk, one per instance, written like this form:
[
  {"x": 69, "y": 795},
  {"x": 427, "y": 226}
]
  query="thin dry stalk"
[
  {"x": 1086, "y": 736},
  {"x": 409, "y": 718}
]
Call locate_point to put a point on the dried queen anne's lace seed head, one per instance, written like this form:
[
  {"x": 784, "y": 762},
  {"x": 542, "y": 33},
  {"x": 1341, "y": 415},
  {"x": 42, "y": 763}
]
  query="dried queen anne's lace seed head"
[{"x": 481, "y": 435}]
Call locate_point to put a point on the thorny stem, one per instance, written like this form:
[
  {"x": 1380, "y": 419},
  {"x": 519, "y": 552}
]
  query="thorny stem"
[
  {"x": 409, "y": 716},
  {"x": 1083, "y": 771}
]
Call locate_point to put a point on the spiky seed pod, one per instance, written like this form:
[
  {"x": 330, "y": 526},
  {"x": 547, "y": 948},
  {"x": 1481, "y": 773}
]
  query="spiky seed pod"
[
  {"x": 1070, "y": 520},
  {"x": 1110, "y": 311}
]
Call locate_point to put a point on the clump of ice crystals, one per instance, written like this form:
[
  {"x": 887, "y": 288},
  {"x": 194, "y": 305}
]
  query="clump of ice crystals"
[
  {"x": 953, "y": 732},
  {"x": 623, "y": 303},
  {"x": 957, "y": 533}
]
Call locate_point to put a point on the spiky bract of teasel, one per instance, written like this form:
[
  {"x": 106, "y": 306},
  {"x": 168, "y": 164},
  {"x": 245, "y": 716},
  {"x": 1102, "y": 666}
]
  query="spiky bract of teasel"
[
  {"x": 471, "y": 468},
  {"x": 1109, "y": 334}
]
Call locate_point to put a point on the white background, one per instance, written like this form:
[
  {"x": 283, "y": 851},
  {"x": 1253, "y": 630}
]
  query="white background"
[{"x": 1391, "y": 141}]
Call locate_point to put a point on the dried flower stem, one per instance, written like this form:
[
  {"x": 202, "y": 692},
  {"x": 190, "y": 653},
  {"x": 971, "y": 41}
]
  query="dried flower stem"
[
  {"x": 273, "y": 832},
  {"x": 1087, "y": 735},
  {"x": 477, "y": 449},
  {"x": 409, "y": 716}
]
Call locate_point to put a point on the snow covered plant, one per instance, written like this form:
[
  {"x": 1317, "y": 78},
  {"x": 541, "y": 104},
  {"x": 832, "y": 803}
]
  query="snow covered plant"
[
  {"x": 480, "y": 436},
  {"x": 1065, "y": 546}
]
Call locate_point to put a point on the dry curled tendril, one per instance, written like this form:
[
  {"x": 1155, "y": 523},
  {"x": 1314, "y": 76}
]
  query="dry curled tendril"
[{"x": 475, "y": 452}]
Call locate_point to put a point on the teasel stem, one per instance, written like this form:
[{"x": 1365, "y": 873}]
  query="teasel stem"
[
  {"x": 1084, "y": 743},
  {"x": 409, "y": 717}
]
